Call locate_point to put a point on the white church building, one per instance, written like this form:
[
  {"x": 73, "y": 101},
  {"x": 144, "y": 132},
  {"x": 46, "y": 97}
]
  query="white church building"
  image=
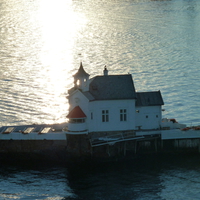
[{"x": 110, "y": 103}]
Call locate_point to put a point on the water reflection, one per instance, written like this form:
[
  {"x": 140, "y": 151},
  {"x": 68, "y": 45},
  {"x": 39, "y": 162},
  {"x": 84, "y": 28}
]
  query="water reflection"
[
  {"x": 19, "y": 182},
  {"x": 144, "y": 178},
  {"x": 156, "y": 41},
  {"x": 37, "y": 57},
  {"x": 59, "y": 28}
]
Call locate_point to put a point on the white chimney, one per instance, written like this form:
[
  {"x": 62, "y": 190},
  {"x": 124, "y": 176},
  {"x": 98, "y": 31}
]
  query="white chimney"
[{"x": 105, "y": 71}]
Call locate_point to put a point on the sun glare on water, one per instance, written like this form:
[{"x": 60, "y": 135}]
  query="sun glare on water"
[{"x": 60, "y": 24}]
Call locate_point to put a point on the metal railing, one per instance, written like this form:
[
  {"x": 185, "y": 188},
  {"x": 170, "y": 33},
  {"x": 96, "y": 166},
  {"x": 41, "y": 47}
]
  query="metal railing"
[{"x": 114, "y": 138}]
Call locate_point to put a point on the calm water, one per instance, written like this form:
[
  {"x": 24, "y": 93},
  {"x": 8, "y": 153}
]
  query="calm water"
[
  {"x": 149, "y": 179},
  {"x": 41, "y": 45}
]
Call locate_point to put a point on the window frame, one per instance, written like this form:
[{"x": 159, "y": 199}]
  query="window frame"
[
  {"x": 123, "y": 114},
  {"x": 105, "y": 115}
]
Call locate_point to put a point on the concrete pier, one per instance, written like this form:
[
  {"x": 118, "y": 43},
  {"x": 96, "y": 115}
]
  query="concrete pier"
[
  {"x": 99, "y": 146},
  {"x": 105, "y": 146}
]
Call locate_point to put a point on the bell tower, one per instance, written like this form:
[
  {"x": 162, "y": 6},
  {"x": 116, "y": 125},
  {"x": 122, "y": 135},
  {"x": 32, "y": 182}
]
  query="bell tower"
[{"x": 81, "y": 79}]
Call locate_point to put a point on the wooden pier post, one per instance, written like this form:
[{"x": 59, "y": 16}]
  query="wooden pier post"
[
  {"x": 135, "y": 146},
  {"x": 156, "y": 145},
  {"x": 124, "y": 148}
]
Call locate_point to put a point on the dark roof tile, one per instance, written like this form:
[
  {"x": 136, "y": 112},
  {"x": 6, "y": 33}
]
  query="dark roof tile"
[
  {"x": 112, "y": 87},
  {"x": 149, "y": 98}
]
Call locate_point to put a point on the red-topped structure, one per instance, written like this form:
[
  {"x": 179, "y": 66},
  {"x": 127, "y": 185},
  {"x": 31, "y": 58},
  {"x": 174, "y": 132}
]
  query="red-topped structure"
[{"x": 76, "y": 113}]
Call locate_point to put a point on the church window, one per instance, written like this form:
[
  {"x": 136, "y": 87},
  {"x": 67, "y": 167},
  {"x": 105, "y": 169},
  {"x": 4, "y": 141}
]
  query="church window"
[
  {"x": 105, "y": 115},
  {"x": 123, "y": 115}
]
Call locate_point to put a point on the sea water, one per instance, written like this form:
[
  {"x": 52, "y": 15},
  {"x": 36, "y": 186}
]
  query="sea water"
[{"x": 41, "y": 46}]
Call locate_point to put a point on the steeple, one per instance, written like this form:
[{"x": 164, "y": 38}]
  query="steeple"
[{"x": 81, "y": 79}]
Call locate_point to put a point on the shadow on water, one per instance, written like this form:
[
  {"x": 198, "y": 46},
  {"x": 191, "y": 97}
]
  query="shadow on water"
[{"x": 141, "y": 178}]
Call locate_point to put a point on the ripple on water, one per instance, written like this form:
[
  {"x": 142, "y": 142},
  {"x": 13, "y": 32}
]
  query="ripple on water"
[{"x": 155, "y": 41}]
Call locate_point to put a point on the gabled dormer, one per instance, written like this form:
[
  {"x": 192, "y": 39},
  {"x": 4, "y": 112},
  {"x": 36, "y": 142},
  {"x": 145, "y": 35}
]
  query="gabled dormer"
[{"x": 81, "y": 79}]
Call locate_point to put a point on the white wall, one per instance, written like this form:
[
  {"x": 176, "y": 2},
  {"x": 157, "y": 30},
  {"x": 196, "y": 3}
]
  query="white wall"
[
  {"x": 78, "y": 99},
  {"x": 77, "y": 127},
  {"x": 134, "y": 119},
  {"x": 114, "y": 123},
  {"x": 153, "y": 121}
]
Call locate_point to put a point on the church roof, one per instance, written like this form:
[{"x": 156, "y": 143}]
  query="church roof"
[
  {"x": 89, "y": 96},
  {"x": 149, "y": 98},
  {"x": 76, "y": 113},
  {"x": 81, "y": 72},
  {"x": 112, "y": 87}
]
